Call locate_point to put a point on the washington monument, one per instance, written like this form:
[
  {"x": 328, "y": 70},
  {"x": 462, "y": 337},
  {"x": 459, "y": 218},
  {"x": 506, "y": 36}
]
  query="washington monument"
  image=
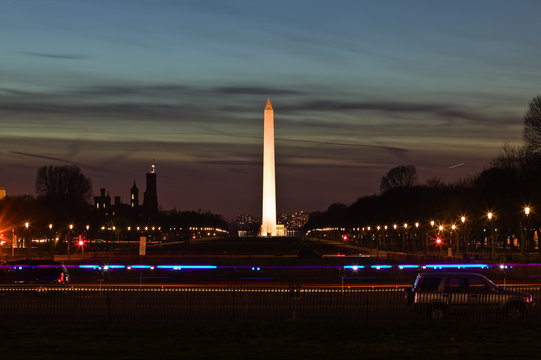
[{"x": 268, "y": 218}]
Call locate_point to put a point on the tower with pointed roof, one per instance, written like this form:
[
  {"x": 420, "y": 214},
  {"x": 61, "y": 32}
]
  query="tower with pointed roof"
[{"x": 134, "y": 196}]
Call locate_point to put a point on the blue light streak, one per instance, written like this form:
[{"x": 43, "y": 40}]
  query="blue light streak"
[
  {"x": 188, "y": 267},
  {"x": 93, "y": 267},
  {"x": 259, "y": 268},
  {"x": 458, "y": 266},
  {"x": 353, "y": 267},
  {"x": 408, "y": 267},
  {"x": 140, "y": 266}
]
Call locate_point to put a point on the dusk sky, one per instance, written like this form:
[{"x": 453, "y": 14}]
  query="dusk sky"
[{"x": 357, "y": 87}]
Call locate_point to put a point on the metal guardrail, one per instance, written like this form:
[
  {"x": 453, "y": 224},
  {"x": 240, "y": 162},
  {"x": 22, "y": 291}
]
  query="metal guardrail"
[{"x": 211, "y": 304}]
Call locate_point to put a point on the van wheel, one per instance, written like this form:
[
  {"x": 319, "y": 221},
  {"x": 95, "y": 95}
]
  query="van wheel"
[
  {"x": 514, "y": 312},
  {"x": 436, "y": 312}
]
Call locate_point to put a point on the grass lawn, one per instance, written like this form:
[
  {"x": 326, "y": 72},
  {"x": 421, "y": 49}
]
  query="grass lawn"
[{"x": 290, "y": 340}]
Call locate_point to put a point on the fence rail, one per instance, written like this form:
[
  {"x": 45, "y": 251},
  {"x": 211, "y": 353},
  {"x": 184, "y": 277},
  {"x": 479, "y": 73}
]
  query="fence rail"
[{"x": 239, "y": 304}]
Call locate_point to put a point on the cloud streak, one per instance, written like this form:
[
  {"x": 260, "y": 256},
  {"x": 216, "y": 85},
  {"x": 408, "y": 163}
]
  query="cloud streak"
[
  {"x": 56, "y": 55},
  {"x": 67, "y": 161},
  {"x": 178, "y": 101},
  {"x": 449, "y": 111}
]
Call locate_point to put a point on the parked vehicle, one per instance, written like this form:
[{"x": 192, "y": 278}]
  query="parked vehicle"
[
  {"x": 437, "y": 294},
  {"x": 34, "y": 271}
]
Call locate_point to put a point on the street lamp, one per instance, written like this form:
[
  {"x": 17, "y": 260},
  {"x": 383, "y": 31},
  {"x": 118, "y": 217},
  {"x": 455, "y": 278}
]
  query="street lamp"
[
  {"x": 453, "y": 229},
  {"x": 464, "y": 245},
  {"x": 404, "y": 235},
  {"x": 526, "y": 246},
  {"x": 492, "y": 242},
  {"x": 27, "y": 241},
  {"x": 69, "y": 239}
]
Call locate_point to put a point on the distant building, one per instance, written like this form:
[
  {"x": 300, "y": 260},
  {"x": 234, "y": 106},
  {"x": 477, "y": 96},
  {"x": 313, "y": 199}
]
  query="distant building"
[
  {"x": 247, "y": 222},
  {"x": 2, "y": 193},
  {"x": 246, "y": 225},
  {"x": 150, "y": 200},
  {"x": 102, "y": 203},
  {"x": 134, "y": 196},
  {"x": 294, "y": 221}
]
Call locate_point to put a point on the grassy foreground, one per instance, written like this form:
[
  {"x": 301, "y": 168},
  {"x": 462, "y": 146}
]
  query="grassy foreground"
[{"x": 292, "y": 340}]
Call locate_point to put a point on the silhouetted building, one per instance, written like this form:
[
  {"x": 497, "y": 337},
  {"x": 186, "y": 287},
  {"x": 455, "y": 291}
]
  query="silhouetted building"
[
  {"x": 103, "y": 202},
  {"x": 150, "y": 201},
  {"x": 134, "y": 196}
]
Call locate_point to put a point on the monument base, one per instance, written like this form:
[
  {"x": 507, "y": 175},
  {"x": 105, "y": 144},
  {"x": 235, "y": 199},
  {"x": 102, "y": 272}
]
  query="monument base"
[{"x": 280, "y": 231}]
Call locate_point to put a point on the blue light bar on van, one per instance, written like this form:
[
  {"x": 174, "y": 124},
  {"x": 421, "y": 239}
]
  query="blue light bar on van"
[{"x": 458, "y": 266}]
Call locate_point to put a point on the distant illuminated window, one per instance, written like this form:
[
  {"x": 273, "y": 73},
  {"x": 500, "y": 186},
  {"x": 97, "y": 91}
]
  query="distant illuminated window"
[{"x": 132, "y": 196}]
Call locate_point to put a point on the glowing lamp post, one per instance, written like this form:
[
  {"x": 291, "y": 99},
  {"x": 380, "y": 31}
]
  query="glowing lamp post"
[
  {"x": 526, "y": 243},
  {"x": 464, "y": 244},
  {"x": 404, "y": 235},
  {"x": 69, "y": 238},
  {"x": 453, "y": 229},
  {"x": 490, "y": 216}
]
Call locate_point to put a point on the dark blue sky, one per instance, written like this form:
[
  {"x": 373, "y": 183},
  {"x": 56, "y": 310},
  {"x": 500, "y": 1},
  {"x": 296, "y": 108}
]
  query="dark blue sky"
[{"x": 357, "y": 86}]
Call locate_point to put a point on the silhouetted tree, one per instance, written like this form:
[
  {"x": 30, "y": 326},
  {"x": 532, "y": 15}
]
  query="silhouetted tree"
[
  {"x": 435, "y": 182},
  {"x": 532, "y": 124},
  {"x": 65, "y": 191},
  {"x": 513, "y": 158},
  {"x": 63, "y": 183},
  {"x": 400, "y": 176}
]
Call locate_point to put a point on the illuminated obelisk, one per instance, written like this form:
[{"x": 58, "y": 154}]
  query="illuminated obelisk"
[{"x": 268, "y": 218}]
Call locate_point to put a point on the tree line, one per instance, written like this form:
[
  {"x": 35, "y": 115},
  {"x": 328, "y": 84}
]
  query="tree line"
[
  {"x": 63, "y": 197},
  {"x": 510, "y": 183}
]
